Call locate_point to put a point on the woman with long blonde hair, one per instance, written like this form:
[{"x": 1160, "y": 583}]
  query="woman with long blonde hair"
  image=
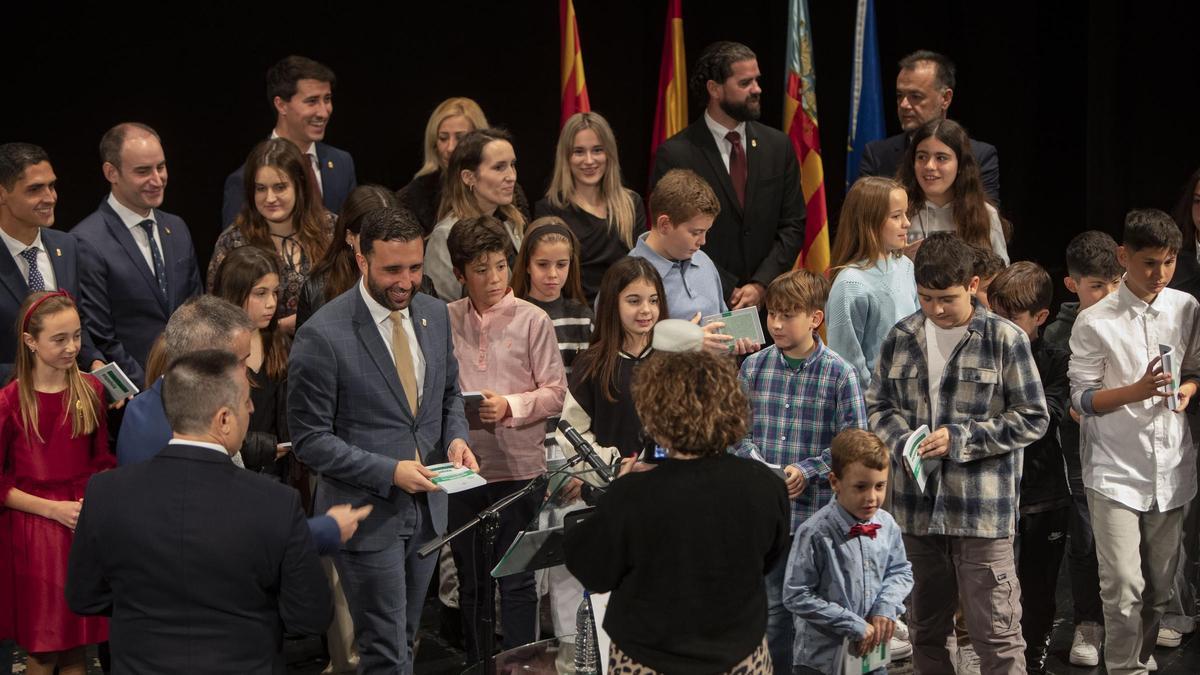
[
  {"x": 587, "y": 193},
  {"x": 448, "y": 123}
]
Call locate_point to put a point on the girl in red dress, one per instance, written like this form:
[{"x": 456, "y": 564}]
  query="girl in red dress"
[{"x": 53, "y": 437}]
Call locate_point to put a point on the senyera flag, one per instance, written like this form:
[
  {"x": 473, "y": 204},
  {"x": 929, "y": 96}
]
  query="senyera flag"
[
  {"x": 670, "y": 114},
  {"x": 800, "y": 124},
  {"x": 574, "y": 87}
]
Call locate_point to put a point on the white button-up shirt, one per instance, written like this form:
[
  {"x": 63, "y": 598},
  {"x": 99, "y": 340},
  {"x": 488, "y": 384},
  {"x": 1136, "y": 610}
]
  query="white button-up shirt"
[
  {"x": 44, "y": 265},
  {"x": 1140, "y": 454},
  {"x": 382, "y": 317},
  {"x": 133, "y": 221},
  {"x": 315, "y": 161},
  {"x": 723, "y": 145}
]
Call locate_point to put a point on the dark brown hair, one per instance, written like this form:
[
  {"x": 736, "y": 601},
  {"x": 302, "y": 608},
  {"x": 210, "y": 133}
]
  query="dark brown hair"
[
  {"x": 338, "y": 265},
  {"x": 537, "y": 233},
  {"x": 308, "y": 213},
  {"x": 1022, "y": 287},
  {"x": 603, "y": 354},
  {"x": 239, "y": 272},
  {"x": 969, "y": 206},
  {"x": 473, "y": 237},
  {"x": 282, "y": 78}
]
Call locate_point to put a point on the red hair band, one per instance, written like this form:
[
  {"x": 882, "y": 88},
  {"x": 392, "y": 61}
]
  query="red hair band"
[{"x": 29, "y": 312}]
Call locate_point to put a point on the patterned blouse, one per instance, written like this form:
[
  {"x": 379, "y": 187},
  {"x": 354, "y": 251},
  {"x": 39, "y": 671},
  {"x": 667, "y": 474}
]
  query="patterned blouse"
[{"x": 293, "y": 274}]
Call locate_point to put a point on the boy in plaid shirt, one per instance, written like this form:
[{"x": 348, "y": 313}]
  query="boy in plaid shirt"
[
  {"x": 802, "y": 394},
  {"x": 970, "y": 376}
]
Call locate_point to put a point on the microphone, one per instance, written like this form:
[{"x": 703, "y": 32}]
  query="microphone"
[{"x": 586, "y": 451}]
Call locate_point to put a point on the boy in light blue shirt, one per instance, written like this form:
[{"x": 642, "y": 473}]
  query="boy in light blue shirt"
[{"x": 847, "y": 574}]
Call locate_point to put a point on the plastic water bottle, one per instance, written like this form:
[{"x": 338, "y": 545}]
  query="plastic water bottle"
[{"x": 587, "y": 660}]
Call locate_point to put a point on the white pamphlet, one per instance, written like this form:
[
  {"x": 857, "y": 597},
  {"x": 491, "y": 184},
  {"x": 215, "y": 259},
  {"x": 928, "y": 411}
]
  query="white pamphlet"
[
  {"x": 1170, "y": 366},
  {"x": 115, "y": 381},
  {"x": 776, "y": 469},
  {"x": 740, "y": 323},
  {"x": 919, "y": 467},
  {"x": 453, "y": 479}
]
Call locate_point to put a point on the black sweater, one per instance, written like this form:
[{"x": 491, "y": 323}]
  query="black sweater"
[
  {"x": 684, "y": 548},
  {"x": 1043, "y": 474}
]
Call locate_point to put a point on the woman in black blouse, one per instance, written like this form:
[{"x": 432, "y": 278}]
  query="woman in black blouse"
[
  {"x": 683, "y": 547},
  {"x": 586, "y": 192}
]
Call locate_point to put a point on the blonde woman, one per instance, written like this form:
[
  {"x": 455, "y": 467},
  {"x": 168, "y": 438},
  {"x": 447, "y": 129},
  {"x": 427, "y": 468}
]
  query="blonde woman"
[{"x": 586, "y": 192}]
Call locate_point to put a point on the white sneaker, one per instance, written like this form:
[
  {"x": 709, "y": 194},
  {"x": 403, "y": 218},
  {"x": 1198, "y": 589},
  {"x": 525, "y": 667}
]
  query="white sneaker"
[
  {"x": 968, "y": 660},
  {"x": 1085, "y": 646},
  {"x": 1169, "y": 637},
  {"x": 1151, "y": 664},
  {"x": 899, "y": 647}
]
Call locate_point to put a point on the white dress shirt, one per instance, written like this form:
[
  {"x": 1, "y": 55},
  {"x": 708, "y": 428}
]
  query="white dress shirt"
[
  {"x": 723, "y": 144},
  {"x": 315, "y": 161},
  {"x": 43, "y": 259},
  {"x": 133, "y": 222},
  {"x": 236, "y": 458},
  {"x": 382, "y": 317},
  {"x": 1140, "y": 454}
]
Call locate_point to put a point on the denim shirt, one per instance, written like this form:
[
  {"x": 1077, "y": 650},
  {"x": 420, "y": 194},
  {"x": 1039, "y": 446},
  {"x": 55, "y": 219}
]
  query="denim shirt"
[{"x": 834, "y": 582}]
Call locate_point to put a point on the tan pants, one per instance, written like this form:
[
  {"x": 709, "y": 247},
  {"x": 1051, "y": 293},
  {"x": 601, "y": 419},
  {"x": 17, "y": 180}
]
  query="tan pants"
[
  {"x": 1137, "y": 552},
  {"x": 343, "y": 657},
  {"x": 983, "y": 573}
]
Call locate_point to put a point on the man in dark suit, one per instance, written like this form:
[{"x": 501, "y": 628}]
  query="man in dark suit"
[
  {"x": 750, "y": 166},
  {"x": 924, "y": 89},
  {"x": 201, "y": 565},
  {"x": 137, "y": 263},
  {"x": 301, "y": 92},
  {"x": 372, "y": 399},
  {"x": 40, "y": 258}
]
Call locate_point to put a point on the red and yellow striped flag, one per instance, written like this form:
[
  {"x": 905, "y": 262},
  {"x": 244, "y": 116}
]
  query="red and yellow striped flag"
[
  {"x": 574, "y": 87},
  {"x": 670, "y": 114},
  {"x": 800, "y": 124}
]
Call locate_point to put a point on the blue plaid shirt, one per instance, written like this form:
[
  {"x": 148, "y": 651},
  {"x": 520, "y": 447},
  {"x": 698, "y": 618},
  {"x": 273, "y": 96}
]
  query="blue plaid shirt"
[
  {"x": 992, "y": 403},
  {"x": 795, "y": 414}
]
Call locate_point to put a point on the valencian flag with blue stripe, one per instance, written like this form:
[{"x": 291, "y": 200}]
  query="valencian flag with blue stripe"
[
  {"x": 866, "y": 92},
  {"x": 800, "y": 124}
]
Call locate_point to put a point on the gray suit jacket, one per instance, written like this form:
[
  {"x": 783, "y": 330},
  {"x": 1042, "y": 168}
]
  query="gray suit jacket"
[{"x": 351, "y": 422}]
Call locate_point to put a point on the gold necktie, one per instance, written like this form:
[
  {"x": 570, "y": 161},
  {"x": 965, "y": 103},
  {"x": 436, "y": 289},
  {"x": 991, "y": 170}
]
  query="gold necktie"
[{"x": 404, "y": 361}]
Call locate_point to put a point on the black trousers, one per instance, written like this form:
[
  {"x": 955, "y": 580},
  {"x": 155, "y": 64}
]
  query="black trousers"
[
  {"x": 1040, "y": 543},
  {"x": 1083, "y": 567},
  {"x": 518, "y": 592}
]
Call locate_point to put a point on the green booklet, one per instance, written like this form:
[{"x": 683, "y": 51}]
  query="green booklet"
[
  {"x": 453, "y": 479},
  {"x": 740, "y": 323},
  {"x": 920, "y": 468}
]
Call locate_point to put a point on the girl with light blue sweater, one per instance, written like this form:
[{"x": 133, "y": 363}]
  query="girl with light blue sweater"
[{"x": 873, "y": 284}]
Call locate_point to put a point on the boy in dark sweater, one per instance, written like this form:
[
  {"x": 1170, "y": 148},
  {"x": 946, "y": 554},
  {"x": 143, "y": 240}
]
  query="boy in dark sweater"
[
  {"x": 1022, "y": 294},
  {"x": 1092, "y": 273}
]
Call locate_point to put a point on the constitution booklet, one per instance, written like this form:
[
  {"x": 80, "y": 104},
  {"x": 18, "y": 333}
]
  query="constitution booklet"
[
  {"x": 453, "y": 479},
  {"x": 853, "y": 664},
  {"x": 1171, "y": 365},
  {"x": 740, "y": 323},
  {"x": 921, "y": 469},
  {"x": 115, "y": 381}
]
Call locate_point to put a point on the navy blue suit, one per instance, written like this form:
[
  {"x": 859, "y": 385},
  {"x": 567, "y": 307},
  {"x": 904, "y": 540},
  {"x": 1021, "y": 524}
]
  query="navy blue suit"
[
  {"x": 14, "y": 287},
  {"x": 201, "y": 565},
  {"x": 337, "y": 181},
  {"x": 145, "y": 432},
  {"x": 351, "y": 422},
  {"x": 123, "y": 308},
  {"x": 883, "y": 157}
]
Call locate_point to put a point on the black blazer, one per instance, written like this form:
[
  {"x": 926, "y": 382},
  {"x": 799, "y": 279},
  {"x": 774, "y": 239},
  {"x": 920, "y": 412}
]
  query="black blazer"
[
  {"x": 883, "y": 157},
  {"x": 123, "y": 308},
  {"x": 337, "y": 181},
  {"x": 760, "y": 242},
  {"x": 14, "y": 287},
  {"x": 201, "y": 565}
]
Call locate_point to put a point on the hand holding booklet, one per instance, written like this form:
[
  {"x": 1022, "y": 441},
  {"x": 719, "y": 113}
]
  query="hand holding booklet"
[
  {"x": 920, "y": 468},
  {"x": 115, "y": 381},
  {"x": 739, "y": 323},
  {"x": 453, "y": 479},
  {"x": 1171, "y": 366},
  {"x": 853, "y": 664}
]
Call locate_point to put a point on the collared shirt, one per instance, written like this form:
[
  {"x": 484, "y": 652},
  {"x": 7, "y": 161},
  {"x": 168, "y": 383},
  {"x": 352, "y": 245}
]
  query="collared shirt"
[
  {"x": 509, "y": 349},
  {"x": 834, "y": 582},
  {"x": 202, "y": 444},
  {"x": 933, "y": 218},
  {"x": 692, "y": 285},
  {"x": 723, "y": 145},
  {"x": 133, "y": 221},
  {"x": 1140, "y": 454},
  {"x": 315, "y": 161},
  {"x": 796, "y": 412},
  {"x": 15, "y": 247},
  {"x": 991, "y": 402},
  {"x": 382, "y": 316}
]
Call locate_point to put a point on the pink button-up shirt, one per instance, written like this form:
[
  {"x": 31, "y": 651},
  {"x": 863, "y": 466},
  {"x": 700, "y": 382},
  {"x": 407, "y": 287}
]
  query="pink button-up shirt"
[{"x": 511, "y": 350}]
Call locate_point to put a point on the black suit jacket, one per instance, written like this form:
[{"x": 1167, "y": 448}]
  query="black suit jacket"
[
  {"x": 14, "y": 287},
  {"x": 201, "y": 565},
  {"x": 337, "y": 181},
  {"x": 883, "y": 157},
  {"x": 122, "y": 305},
  {"x": 761, "y": 241}
]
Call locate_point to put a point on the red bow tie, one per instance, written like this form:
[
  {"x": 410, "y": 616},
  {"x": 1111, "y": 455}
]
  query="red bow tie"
[{"x": 867, "y": 529}]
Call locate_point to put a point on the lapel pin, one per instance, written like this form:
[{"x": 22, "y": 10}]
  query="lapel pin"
[
  {"x": 167, "y": 230},
  {"x": 754, "y": 142},
  {"x": 58, "y": 252},
  {"x": 330, "y": 163},
  {"x": 423, "y": 322}
]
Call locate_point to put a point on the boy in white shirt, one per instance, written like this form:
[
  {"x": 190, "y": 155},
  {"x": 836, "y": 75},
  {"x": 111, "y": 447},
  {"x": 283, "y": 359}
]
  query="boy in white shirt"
[{"x": 1139, "y": 464}]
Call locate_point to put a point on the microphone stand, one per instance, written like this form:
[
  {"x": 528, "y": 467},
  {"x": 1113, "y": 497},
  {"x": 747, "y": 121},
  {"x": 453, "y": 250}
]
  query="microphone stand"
[{"x": 489, "y": 522}]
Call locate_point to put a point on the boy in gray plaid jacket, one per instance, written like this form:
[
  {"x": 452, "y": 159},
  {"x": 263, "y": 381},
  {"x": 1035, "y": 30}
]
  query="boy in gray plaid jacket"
[{"x": 970, "y": 376}]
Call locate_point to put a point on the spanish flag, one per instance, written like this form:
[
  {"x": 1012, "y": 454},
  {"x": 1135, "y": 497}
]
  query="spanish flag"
[
  {"x": 574, "y": 87},
  {"x": 800, "y": 124},
  {"x": 670, "y": 115}
]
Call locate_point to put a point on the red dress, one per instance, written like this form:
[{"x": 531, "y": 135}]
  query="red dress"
[{"x": 33, "y": 549}]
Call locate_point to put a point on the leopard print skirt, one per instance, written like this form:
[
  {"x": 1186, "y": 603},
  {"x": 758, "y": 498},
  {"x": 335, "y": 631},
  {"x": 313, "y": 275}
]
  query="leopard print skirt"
[{"x": 757, "y": 663}]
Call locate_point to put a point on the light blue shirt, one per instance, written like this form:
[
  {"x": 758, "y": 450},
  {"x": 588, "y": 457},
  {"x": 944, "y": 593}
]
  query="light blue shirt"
[
  {"x": 692, "y": 285},
  {"x": 863, "y": 306},
  {"x": 834, "y": 581}
]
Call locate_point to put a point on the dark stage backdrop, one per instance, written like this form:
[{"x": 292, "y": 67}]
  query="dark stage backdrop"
[{"x": 1090, "y": 104}]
